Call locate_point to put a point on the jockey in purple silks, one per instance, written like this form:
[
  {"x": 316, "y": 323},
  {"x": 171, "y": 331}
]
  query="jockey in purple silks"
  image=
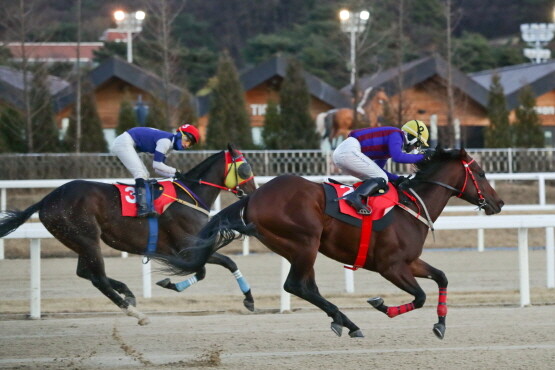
[
  {"x": 154, "y": 141},
  {"x": 366, "y": 151}
]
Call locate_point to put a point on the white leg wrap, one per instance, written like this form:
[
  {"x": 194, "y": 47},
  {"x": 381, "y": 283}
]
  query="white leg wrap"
[{"x": 132, "y": 311}]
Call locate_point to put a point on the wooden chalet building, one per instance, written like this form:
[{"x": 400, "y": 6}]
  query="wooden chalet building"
[{"x": 262, "y": 83}]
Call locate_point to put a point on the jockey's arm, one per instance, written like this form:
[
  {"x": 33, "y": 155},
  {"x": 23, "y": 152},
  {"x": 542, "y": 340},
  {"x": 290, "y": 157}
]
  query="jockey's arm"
[
  {"x": 163, "y": 146},
  {"x": 396, "y": 152}
]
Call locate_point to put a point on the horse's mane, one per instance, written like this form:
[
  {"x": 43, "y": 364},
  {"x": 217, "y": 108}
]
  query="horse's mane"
[
  {"x": 425, "y": 169},
  {"x": 197, "y": 171}
]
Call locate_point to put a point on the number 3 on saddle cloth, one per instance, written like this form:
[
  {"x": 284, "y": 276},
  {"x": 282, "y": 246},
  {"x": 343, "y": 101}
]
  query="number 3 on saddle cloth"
[
  {"x": 378, "y": 220},
  {"x": 161, "y": 203}
]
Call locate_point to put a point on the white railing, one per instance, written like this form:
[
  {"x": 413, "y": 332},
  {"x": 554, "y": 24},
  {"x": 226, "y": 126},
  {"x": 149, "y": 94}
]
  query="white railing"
[
  {"x": 540, "y": 177},
  {"x": 36, "y": 231}
]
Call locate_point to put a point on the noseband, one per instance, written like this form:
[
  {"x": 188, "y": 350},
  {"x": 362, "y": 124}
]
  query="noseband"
[{"x": 468, "y": 172}]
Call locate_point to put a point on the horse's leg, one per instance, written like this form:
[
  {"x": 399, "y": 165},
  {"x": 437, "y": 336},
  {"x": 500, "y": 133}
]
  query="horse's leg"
[
  {"x": 422, "y": 269},
  {"x": 401, "y": 275},
  {"x": 95, "y": 264},
  {"x": 224, "y": 261},
  {"x": 300, "y": 282},
  {"x": 83, "y": 272}
]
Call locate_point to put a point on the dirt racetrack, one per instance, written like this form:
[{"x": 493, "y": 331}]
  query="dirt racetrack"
[{"x": 206, "y": 325}]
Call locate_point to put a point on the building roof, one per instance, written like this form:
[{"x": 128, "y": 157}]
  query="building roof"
[
  {"x": 277, "y": 67},
  {"x": 116, "y": 67},
  {"x": 11, "y": 85},
  {"x": 540, "y": 77},
  {"x": 418, "y": 71},
  {"x": 54, "y": 51}
]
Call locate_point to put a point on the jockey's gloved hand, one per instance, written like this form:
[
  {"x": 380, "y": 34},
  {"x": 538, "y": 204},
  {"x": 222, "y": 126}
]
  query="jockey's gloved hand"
[
  {"x": 428, "y": 153},
  {"x": 178, "y": 175}
]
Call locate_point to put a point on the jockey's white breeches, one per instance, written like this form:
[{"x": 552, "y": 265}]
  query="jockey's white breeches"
[
  {"x": 124, "y": 148},
  {"x": 350, "y": 159}
]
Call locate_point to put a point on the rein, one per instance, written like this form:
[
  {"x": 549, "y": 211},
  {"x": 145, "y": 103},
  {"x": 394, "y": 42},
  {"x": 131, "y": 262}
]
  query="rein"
[{"x": 468, "y": 172}]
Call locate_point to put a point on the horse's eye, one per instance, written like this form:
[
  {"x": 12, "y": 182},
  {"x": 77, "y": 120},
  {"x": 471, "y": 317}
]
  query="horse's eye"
[{"x": 482, "y": 174}]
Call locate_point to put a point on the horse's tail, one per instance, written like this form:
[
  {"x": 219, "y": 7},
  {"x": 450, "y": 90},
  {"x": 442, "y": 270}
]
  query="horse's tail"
[
  {"x": 226, "y": 226},
  {"x": 10, "y": 220}
]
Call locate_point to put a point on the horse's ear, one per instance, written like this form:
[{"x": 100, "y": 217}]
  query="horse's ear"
[
  {"x": 231, "y": 148},
  {"x": 439, "y": 147}
]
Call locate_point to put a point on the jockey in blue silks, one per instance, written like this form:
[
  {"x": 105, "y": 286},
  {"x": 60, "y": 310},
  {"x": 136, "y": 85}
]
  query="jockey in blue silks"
[{"x": 160, "y": 144}]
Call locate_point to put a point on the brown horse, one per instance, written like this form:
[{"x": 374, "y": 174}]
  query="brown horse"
[
  {"x": 287, "y": 215},
  {"x": 336, "y": 124},
  {"x": 80, "y": 213}
]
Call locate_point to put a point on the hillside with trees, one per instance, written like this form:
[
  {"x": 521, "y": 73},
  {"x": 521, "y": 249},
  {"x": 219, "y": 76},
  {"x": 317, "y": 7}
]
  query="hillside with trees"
[{"x": 486, "y": 34}]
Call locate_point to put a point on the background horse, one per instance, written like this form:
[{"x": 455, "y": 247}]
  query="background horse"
[
  {"x": 336, "y": 124},
  {"x": 80, "y": 213},
  {"x": 287, "y": 215}
]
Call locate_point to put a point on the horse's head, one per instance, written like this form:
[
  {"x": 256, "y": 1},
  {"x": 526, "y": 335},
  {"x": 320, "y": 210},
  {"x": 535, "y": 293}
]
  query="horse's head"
[
  {"x": 455, "y": 170},
  {"x": 238, "y": 176}
]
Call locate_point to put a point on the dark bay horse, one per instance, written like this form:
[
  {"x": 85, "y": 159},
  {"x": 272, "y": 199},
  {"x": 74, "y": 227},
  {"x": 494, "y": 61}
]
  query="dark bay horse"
[
  {"x": 80, "y": 213},
  {"x": 287, "y": 215}
]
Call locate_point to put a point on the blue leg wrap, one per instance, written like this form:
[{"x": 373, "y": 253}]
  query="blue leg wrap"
[
  {"x": 245, "y": 287},
  {"x": 186, "y": 283}
]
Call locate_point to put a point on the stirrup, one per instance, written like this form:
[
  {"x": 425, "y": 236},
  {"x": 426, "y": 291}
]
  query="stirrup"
[{"x": 365, "y": 211}]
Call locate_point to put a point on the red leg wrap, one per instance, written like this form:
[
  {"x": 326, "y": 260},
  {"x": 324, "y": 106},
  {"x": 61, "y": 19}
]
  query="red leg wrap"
[
  {"x": 394, "y": 311},
  {"x": 442, "y": 302}
]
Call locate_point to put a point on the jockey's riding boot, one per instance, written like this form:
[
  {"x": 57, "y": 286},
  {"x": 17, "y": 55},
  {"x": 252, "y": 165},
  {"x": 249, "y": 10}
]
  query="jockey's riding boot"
[
  {"x": 144, "y": 210},
  {"x": 367, "y": 188}
]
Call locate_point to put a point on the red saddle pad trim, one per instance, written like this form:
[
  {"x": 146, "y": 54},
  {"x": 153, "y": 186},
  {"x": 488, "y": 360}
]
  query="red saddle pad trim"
[
  {"x": 380, "y": 206},
  {"x": 129, "y": 201}
]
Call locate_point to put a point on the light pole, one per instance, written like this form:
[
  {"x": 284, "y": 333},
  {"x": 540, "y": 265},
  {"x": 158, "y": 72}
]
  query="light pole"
[
  {"x": 129, "y": 23},
  {"x": 354, "y": 24},
  {"x": 537, "y": 35}
]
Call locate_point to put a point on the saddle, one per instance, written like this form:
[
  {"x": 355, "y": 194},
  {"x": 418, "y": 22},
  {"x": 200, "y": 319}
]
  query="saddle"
[
  {"x": 381, "y": 204},
  {"x": 161, "y": 203}
]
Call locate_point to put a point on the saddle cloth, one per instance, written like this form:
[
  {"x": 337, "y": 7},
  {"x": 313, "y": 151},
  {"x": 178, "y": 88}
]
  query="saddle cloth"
[
  {"x": 164, "y": 193},
  {"x": 381, "y": 205}
]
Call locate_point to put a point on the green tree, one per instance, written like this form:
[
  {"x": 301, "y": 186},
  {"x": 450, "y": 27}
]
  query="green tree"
[
  {"x": 272, "y": 133},
  {"x": 186, "y": 111},
  {"x": 45, "y": 130},
  {"x": 12, "y": 131},
  {"x": 228, "y": 119},
  {"x": 498, "y": 133},
  {"x": 156, "y": 115},
  {"x": 126, "y": 118},
  {"x": 297, "y": 125},
  {"x": 527, "y": 127},
  {"x": 92, "y": 136}
]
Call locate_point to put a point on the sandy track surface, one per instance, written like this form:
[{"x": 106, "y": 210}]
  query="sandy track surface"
[{"x": 207, "y": 326}]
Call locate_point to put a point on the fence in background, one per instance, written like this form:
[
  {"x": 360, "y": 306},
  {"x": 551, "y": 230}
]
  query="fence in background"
[{"x": 264, "y": 163}]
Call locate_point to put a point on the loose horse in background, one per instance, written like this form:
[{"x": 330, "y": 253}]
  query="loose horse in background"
[
  {"x": 287, "y": 215},
  {"x": 336, "y": 124},
  {"x": 80, "y": 213}
]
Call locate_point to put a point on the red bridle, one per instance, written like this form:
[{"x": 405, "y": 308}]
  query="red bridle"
[
  {"x": 468, "y": 172},
  {"x": 237, "y": 189}
]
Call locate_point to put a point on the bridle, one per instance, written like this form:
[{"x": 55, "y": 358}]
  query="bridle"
[
  {"x": 468, "y": 173},
  {"x": 234, "y": 170}
]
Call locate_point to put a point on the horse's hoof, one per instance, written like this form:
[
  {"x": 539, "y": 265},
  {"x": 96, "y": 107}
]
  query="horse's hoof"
[
  {"x": 249, "y": 305},
  {"x": 439, "y": 330},
  {"x": 144, "y": 321},
  {"x": 164, "y": 283},
  {"x": 356, "y": 334},
  {"x": 131, "y": 301},
  {"x": 337, "y": 329},
  {"x": 375, "y": 302}
]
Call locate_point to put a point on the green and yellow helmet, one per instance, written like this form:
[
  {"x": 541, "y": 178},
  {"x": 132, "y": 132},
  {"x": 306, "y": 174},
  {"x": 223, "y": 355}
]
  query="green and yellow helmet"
[{"x": 416, "y": 131}]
